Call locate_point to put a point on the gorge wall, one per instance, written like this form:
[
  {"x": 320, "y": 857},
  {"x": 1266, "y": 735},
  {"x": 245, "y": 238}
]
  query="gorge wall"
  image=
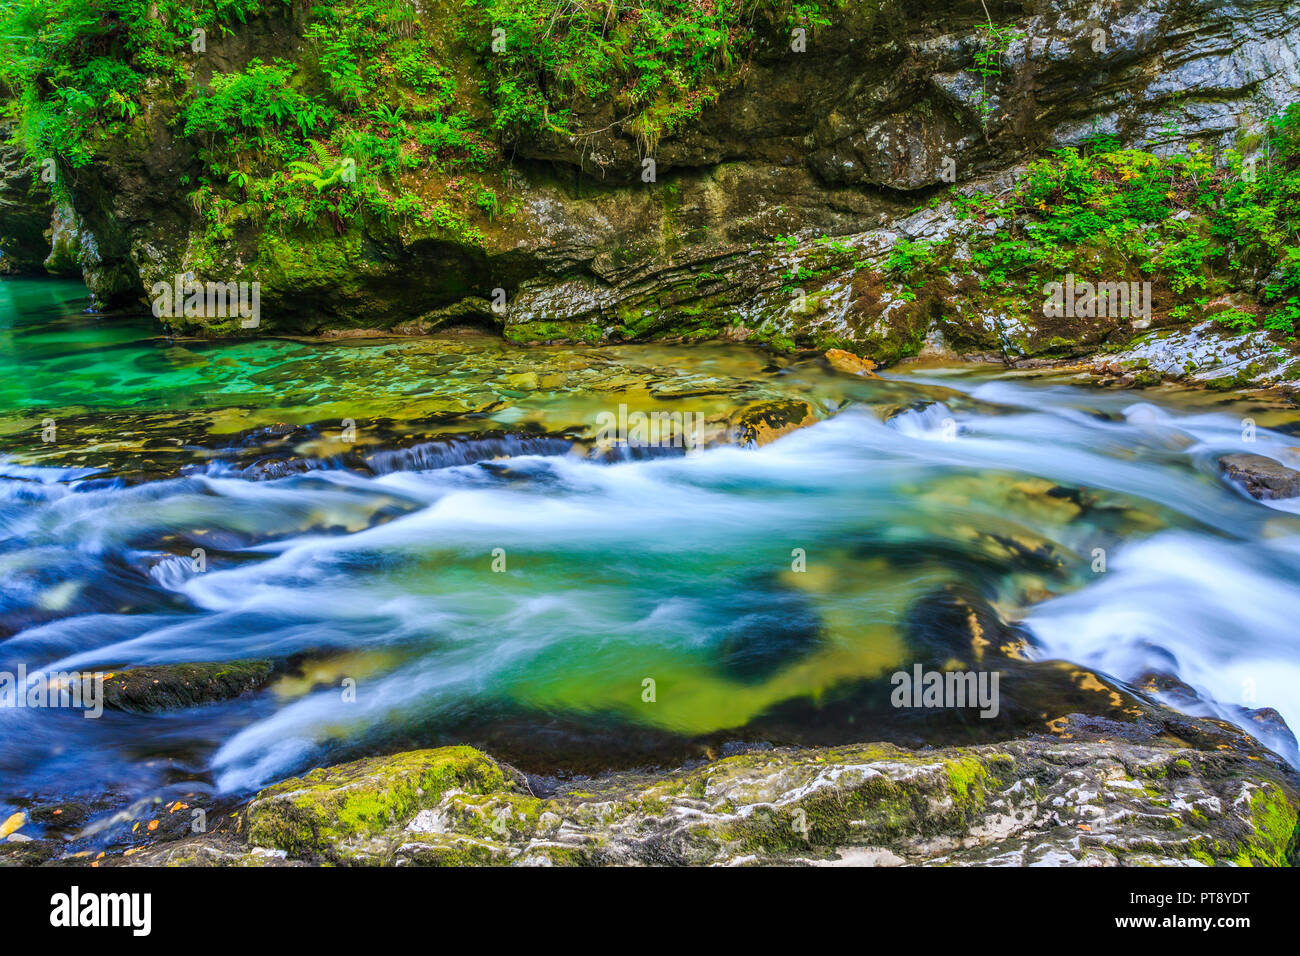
[{"x": 769, "y": 207}]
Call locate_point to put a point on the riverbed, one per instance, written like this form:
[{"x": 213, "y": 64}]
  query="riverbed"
[{"x": 433, "y": 542}]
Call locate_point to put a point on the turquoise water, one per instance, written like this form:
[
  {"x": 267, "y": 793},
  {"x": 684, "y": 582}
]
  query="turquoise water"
[{"x": 472, "y": 566}]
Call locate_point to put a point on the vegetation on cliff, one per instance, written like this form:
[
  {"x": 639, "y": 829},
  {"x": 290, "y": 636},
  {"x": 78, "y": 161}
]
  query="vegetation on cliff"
[
  {"x": 372, "y": 94},
  {"x": 1197, "y": 229},
  {"x": 297, "y": 134}
]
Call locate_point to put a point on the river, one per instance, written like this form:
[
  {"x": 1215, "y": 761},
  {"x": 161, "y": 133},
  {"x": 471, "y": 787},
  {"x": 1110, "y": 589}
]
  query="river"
[{"x": 429, "y": 541}]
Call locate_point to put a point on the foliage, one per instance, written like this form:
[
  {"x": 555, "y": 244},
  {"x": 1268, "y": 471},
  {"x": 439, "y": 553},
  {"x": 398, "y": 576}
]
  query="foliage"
[
  {"x": 907, "y": 256},
  {"x": 995, "y": 41},
  {"x": 372, "y": 88},
  {"x": 252, "y": 100},
  {"x": 659, "y": 62},
  {"x": 1182, "y": 220},
  {"x": 80, "y": 67}
]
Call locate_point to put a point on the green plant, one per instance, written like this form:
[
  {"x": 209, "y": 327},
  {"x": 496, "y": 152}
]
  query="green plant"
[
  {"x": 995, "y": 41},
  {"x": 907, "y": 256},
  {"x": 1238, "y": 320}
]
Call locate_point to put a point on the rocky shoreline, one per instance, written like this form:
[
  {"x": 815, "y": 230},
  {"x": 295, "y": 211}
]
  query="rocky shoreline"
[
  {"x": 1093, "y": 794},
  {"x": 1149, "y": 787}
]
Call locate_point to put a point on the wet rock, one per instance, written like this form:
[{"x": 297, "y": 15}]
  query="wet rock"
[
  {"x": 770, "y": 627},
  {"x": 1100, "y": 793},
  {"x": 1168, "y": 689},
  {"x": 61, "y": 816},
  {"x": 1262, "y": 477},
  {"x": 765, "y": 422},
  {"x": 28, "y": 852},
  {"x": 843, "y": 361},
  {"x": 955, "y": 623},
  {"x": 1269, "y": 726},
  {"x": 1270, "y": 721},
  {"x": 1206, "y": 354},
  {"x": 65, "y": 243},
  {"x": 329, "y": 811},
  {"x": 173, "y": 686},
  {"x": 24, "y": 211}
]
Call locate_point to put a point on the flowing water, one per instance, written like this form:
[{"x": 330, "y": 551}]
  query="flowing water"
[{"x": 430, "y": 543}]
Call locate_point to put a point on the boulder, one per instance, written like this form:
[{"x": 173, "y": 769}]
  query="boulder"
[
  {"x": 1167, "y": 791},
  {"x": 764, "y": 422},
  {"x": 325, "y": 812},
  {"x": 1262, "y": 477},
  {"x": 172, "y": 686}
]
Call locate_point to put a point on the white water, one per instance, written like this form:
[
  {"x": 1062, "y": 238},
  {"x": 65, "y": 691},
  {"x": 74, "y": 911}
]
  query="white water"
[{"x": 652, "y": 565}]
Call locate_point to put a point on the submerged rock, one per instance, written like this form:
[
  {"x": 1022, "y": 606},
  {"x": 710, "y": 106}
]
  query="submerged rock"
[
  {"x": 1262, "y": 477},
  {"x": 770, "y": 627},
  {"x": 956, "y": 623},
  {"x": 843, "y": 361},
  {"x": 172, "y": 686},
  {"x": 765, "y": 422}
]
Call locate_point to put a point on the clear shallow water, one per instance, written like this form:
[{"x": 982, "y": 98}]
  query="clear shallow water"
[{"x": 379, "y": 567}]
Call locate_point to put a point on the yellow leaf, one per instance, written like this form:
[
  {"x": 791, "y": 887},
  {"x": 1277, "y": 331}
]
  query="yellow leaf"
[{"x": 13, "y": 824}]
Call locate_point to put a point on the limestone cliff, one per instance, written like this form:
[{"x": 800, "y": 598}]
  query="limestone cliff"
[{"x": 774, "y": 207}]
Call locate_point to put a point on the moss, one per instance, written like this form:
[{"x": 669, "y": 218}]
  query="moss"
[
  {"x": 563, "y": 855},
  {"x": 456, "y": 851},
  {"x": 1271, "y": 840},
  {"x": 313, "y": 813},
  {"x": 500, "y": 816},
  {"x": 967, "y": 778},
  {"x": 1198, "y": 852},
  {"x": 879, "y": 809},
  {"x": 174, "y": 686},
  {"x": 539, "y": 332}
]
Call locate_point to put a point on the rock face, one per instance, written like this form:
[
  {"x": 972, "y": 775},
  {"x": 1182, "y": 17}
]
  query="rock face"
[
  {"x": 832, "y": 141},
  {"x": 24, "y": 212},
  {"x": 1201, "y": 355},
  {"x": 1261, "y": 476},
  {"x": 1177, "y": 792}
]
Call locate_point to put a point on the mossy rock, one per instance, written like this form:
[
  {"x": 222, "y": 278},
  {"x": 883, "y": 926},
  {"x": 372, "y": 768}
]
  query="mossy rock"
[
  {"x": 145, "y": 690},
  {"x": 28, "y": 852},
  {"x": 314, "y": 813}
]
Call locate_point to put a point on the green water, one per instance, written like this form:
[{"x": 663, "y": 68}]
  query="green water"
[{"x": 485, "y": 571}]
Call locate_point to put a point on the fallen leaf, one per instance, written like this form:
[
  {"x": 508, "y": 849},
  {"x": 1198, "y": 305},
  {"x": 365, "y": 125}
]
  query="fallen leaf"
[{"x": 13, "y": 824}]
